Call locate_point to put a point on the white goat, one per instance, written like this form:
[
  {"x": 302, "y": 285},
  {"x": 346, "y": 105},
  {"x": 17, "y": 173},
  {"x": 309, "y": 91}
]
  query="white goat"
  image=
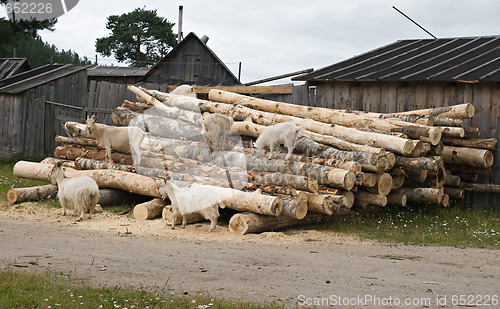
[
  {"x": 216, "y": 129},
  {"x": 188, "y": 200},
  {"x": 184, "y": 90},
  {"x": 282, "y": 133},
  {"x": 81, "y": 193},
  {"x": 122, "y": 139}
]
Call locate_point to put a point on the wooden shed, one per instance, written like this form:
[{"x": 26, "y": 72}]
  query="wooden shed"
[
  {"x": 12, "y": 66},
  {"x": 191, "y": 62},
  {"x": 116, "y": 75},
  {"x": 29, "y": 112},
  {"x": 414, "y": 74}
]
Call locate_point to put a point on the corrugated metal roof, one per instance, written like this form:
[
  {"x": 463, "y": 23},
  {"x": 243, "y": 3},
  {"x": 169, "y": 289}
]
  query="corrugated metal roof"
[
  {"x": 117, "y": 71},
  {"x": 30, "y": 79},
  {"x": 444, "y": 60},
  {"x": 13, "y": 66}
]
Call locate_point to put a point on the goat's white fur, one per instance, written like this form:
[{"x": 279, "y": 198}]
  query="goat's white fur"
[
  {"x": 80, "y": 193},
  {"x": 216, "y": 129},
  {"x": 123, "y": 139},
  {"x": 186, "y": 90},
  {"x": 282, "y": 133},
  {"x": 199, "y": 199}
]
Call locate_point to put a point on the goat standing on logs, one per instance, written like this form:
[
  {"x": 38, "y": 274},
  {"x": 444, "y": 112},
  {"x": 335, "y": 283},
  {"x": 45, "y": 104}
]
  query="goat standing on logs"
[
  {"x": 189, "y": 200},
  {"x": 81, "y": 192},
  {"x": 122, "y": 139},
  {"x": 281, "y": 133},
  {"x": 216, "y": 130}
]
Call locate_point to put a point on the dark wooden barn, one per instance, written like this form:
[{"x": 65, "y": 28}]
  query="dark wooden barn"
[
  {"x": 12, "y": 66},
  {"x": 414, "y": 74},
  {"x": 191, "y": 62},
  {"x": 30, "y": 113}
]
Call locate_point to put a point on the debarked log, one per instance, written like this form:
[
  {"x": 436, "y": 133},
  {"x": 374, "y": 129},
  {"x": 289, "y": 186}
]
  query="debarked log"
[
  {"x": 422, "y": 195},
  {"x": 467, "y": 156},
  {"x": 295, "y": 206},
  {"x": 149, "y": 210}
]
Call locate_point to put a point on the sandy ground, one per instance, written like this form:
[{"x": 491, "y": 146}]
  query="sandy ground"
[{"x": 299, "y": 268}]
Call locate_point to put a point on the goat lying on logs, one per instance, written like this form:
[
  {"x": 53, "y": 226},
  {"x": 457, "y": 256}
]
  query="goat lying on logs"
[
  {"x": 185, "y": 90},
  {"x": 122, "y": 139},
  {"x": 281, "y": 133},
  {"x": 189, "y": 200},
  {"x": 81, "y": 192},
  {"x": 216, "y": 130}
]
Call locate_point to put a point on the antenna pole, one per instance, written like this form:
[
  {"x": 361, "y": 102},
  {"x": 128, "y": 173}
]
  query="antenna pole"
[{"x": 432, "y": 35}]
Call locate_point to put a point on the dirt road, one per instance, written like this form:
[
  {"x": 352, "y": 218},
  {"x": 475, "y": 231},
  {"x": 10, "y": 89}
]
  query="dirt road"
[{"x": 296, "y": 267}]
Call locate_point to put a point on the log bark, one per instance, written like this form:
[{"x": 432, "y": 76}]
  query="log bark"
[
  {"x": 77, "y": 141},
  {"x": 452, "y": 180},
  {"x": 421, "y": 163},
  {"x": 245, "y": 223},
  {"x": 149, "y": 210},
  {"x": 341, "y": 144},
  {"x": 105, "y": 178},
  {"x": 422, "y": 195},
  {"x": 481, "y": 143},
  {"x": 461, "y": 111},
  {"x": 448, "y": 122},
  {"x": 72, "y": 153},
  {"x": 455, "y": 193},
  {"x": 296, "y": 206},
  {"x": 452, "y": 132},
  {"x": 191, "y": 218},
  {"x": 137, "y": 107},
  {"x": 321, "y": 203},
  {"x": 89, "y": 164},
  {"x": 467, "y": 156},
  {"x": 480, "y": 187},
  {"x": 366, "y": 179},
  {"x": 280, "y": 179},
  {"x": 398, "y": 177},
  {"x": 327, "y": 115},
  {"x": 30, "y": 194}
]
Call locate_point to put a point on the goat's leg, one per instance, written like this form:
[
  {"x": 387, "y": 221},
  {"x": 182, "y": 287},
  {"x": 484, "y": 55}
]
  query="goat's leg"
[
  {"x": 271, "y": 149},
  {"x": 184, "y": 221},
  {"x": 82, "y": 211},
  {"x": 63, "y": 205},
  {"x": 290, "y": 148},
  {"x": 213, "y": 224},
  {"x": 108, "y": 154},
  {"x": 174, "y": 217}
]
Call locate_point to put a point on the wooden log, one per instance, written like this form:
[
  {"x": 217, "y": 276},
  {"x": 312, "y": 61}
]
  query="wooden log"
[
  {"x": 383, "y": 185},
  {"x": 341, "y": 144},
  {"x": 421, "y": 163},
  {"x": 445, "y": 201},
  {"x": 375, "y": 199},
  {"x": 89, "y": 164},
  {"x": 191, "y": 218},
  {"x": 451, "y": 180},
  {"x": 245, "y": 223},
  {"x": 398, "y": 177},
  {"x": 465, "y": 169},
  {"x": 436, "y": 150},
  {"x": 149, "y": 210},
  {"x": 105, "y": 178},
  {"x": 30, "y": 194},
  {"x": 137, "y": 107},
  {"x": 415, "y": 176},
  {"x": 448, "y": 122},
  {"x": 327, "y": 115},
  {"x": 461, "y": 111},
  {"x": 280, "y": 179},
  {"x": 77, "y": 141},
  {"x": 396, "y": 199},
  {"x": 295, "y": 207},
  {"x": 366, "y": 179},
  {"x": 480, "y": 187},
  {"x": 455, "y": 193},
  {"x": 467, "y": 156},
  {"x": 480, "y": 143},
  {"x": 422, "y": 195},
  {"x": 472, "y": 132},
  {"x": 255, "y": 202},
  {"x": 452, "y": 132},
  {"x": 321, "y": 203},
  {"x": 72, "y": 153}
]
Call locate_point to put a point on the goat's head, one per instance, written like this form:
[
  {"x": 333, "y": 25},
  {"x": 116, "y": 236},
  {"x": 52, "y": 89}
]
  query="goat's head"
[
  {"x": 56, "y": 172},
  {"x": 162, "y": 185}
]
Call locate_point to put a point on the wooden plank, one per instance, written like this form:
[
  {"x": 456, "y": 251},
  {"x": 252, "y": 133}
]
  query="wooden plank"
[{"x": 276, "y": 89}]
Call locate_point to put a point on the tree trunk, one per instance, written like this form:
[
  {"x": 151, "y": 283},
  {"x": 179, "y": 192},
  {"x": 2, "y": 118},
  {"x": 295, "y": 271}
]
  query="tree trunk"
[
  {"x": 383, "y": 184},
  {"x": 19, "y": 195},
  {"x": 452, "y": 180},
  {"x": 90, "y": 164},
  {"x": 467, "y": 156},
  {"x": 422, "y": 195},
  {"x": 77, "y": 141},
  {"x": 295, "y": 207},
  {"x": 321, "y": 203},
  {"x": 452, "y": 132},
  {"x": 398, "y": 177},
  {"x": 421, "y": 163},
  {"x": 480, "y": 187},
  {"x": 149, "y": 210},
  {"x": 448, "y": 122},
  {"x": 461, "y": 111},
  {"x": 341, "y": 144},
  {"x": 454, "y": 193},
  {"x": 366, "y": 179},
  {"x": 280, "y": 179},
  {"x": 191, "y": 218},
  {"x": 105, "y": 178},
  {"x": 245, "y": 223},
  {"x": 481, "y": 143},
  {"x": 327, "y": 115}
]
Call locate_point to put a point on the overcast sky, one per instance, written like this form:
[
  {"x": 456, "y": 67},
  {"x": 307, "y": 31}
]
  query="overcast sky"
[{"x": 276, "y": 37}]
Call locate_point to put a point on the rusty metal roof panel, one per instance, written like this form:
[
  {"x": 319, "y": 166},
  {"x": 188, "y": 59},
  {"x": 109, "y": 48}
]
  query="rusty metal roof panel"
[{"x": 447, "y": 59}]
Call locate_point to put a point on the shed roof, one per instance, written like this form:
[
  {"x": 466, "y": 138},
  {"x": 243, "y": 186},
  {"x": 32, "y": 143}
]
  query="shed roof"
[
  {"x": 117, "y": 71},
  {"x": 443, "y": 60},
  {"x": 30, "y": 79},
  {"x": 13, "y": 66}
]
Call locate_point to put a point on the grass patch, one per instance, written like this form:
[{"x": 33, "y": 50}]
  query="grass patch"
[
  {"x": 458, "y": 225},
  {"x": 30, "y": 290}
]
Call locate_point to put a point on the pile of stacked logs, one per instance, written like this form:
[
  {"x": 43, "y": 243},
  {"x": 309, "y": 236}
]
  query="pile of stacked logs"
[{"x": 344, "y": 161}]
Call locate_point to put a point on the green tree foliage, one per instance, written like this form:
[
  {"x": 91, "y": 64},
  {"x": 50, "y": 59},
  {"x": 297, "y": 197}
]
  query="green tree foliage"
[{"x": 140, "y": 38}]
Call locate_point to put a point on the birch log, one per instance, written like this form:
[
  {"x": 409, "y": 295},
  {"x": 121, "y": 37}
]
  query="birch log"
[
  {"x": 467, "y": 156},
  {"x": 149, "y": 210},
  {"x": 295, "y": 206},
  {"x": 422, "y": 195},
  {"x": 461, "y": 111},
  {"x": 481, "y": 143},
  {"x": 19, "y": 195},
  {"x": 280, "y": 179},
  {"x": 245, "y": 223}
]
